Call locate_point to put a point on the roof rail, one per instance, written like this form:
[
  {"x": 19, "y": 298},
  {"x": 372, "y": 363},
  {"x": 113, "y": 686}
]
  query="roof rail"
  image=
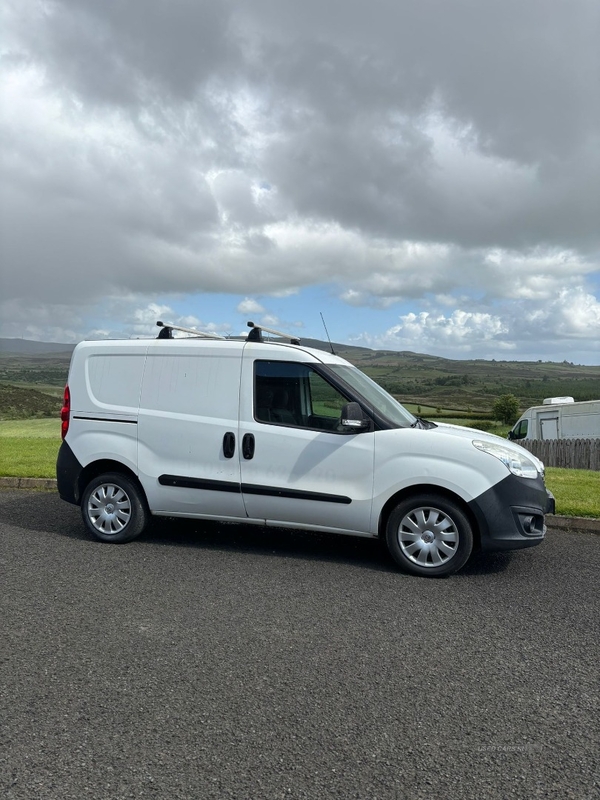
[
  {"x": 167, "y": 331},
  {"x": 256, "y": 333}
]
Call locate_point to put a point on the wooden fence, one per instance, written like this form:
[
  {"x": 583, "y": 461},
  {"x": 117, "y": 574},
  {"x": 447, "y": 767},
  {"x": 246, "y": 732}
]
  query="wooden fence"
[{"x": 570, "y": 453}]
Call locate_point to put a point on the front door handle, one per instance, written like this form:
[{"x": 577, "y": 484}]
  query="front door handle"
[
  {"x": 229, "y": 444},
  {"x": 248, "y": 446}
]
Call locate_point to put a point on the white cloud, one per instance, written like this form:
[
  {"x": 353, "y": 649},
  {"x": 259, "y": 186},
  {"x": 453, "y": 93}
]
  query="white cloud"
[
  {"x": 249, "y": 306},
  {"x": 425, "y": 332},
  {"x": 269, "y": 320},
  {"x": 530, "y": 328},
  {"x": 573, "y": 314}
]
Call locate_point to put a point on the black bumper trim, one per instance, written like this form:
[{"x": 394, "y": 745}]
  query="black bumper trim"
[
  {"x": 510, "y": 515},
  {"x": 68, "y": 470}
]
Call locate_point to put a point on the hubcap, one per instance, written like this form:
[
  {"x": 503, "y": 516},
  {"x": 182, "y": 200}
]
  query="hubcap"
[
  {"x": 109, "y": 508},
  {"x": 428, "y": 537}
]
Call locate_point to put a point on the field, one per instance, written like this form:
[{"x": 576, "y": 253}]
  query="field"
[{"x": 28, "y": 449}]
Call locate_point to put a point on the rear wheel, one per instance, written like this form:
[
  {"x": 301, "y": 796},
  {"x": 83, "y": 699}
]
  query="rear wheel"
[
  {"x": 429, "y": 535},
  {"x": 114, "y": 508}
]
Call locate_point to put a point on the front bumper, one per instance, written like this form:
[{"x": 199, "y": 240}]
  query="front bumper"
[{"x": 511, "y": 514}]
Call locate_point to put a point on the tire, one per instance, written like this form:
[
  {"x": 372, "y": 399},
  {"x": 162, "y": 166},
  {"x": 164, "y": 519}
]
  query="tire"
[
  {"x": 114, "y": 508},
  {"x": 429, "y": 535}
]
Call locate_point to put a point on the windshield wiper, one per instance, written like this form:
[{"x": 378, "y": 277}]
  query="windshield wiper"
[{"x": 423, "y": 423}]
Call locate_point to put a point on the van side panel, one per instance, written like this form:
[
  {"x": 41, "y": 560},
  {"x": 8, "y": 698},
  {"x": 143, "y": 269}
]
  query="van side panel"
[
  {"x": 114, "y": 380},
  {"x": 581, "y": 423},
  {"x": 104, "y": 383},
  {"x": 189, "y": 404}
]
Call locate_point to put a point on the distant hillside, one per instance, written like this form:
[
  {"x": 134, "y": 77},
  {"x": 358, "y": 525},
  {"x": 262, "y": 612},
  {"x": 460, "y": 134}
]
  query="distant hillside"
[
  {"x": 474, "y": 384},
  {"x": 338, "y": 348},
  {"x": 469, "y": 387},
  {"x": 31, "y": 348},
  {"x": 17, "y": 402}
]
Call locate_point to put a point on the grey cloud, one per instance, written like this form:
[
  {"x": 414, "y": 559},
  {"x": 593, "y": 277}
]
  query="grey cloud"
[
  {"x": 112, "y": 51},
  {"x": 172, "y": 112},
  {"x": 524, "y": 73},
  {"x": 233, "y": 193}
]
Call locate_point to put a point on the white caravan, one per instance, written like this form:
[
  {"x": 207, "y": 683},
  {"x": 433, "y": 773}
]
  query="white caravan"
[
  {"x": 273, "y": 433},
  {"x": 559, "y": 418}
]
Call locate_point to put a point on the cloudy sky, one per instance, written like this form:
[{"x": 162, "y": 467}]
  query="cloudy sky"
[{"x": 425, "y": 173}]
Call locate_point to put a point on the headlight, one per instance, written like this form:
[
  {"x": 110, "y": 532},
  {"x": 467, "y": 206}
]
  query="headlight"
[{"x": 517, "y": 463}]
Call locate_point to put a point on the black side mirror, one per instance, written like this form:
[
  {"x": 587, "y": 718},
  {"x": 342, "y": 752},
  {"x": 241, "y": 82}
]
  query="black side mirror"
[{"x": 353, "y": 417}]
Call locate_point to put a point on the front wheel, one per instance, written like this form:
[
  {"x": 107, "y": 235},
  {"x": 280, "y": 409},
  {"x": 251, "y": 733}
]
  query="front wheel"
[
  {"x": 114, "y": 508},
  {"x": 429, "y": 535}
]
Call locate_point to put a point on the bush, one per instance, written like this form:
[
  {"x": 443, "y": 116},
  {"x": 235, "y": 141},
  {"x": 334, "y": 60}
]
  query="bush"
[
  {"x": 487, "y": 427},
  {"x": 506, "y": 409}
]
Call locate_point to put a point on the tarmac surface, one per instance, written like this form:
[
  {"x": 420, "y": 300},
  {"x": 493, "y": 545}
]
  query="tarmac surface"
[{"x": 226, "y": 661}]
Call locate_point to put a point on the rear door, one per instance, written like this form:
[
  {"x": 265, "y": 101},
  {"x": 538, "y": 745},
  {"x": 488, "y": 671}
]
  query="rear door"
[
  {"x": 298, "y": 467},
  {"x": 548, "y": 425}
]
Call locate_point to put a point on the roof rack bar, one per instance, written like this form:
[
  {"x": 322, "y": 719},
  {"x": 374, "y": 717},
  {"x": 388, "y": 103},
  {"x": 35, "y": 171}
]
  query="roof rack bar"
[
  {"x": 167, "y": 328},
  {"x": 255, "y": 334}
]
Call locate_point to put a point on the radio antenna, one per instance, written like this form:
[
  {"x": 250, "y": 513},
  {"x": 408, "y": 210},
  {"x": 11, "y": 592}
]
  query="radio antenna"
[{"x": 327, "y": 332}]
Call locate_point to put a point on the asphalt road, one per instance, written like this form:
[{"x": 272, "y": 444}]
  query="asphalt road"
[{"x": 221, "y": 661}]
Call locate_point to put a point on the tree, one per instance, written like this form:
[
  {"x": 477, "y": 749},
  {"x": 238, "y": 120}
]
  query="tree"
[{"x": 506, "y": 409}]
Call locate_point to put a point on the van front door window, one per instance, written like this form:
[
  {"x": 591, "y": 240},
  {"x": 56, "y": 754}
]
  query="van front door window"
[{"x": 293, "y": 394}]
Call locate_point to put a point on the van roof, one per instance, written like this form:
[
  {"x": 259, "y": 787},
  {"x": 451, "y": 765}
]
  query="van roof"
[{"x": 192, "y": 343}]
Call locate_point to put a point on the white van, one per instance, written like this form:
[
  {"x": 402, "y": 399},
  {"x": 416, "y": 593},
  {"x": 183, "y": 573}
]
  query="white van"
[
  {"x": 559, "y": 418},
  {"x": 278, "y": 434}
]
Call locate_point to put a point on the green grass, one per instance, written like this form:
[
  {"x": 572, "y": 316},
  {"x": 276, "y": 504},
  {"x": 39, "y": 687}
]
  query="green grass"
[
  {"x": 24, "y": 457},
  {"x": 577, "y": 491},
  {"x": 28, "y": 449},
  {"x": 30, "y": 429}
]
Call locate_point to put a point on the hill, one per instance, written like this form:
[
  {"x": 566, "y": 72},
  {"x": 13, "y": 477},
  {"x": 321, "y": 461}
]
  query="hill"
[
  {"x": 475, "y": 384},
  {"x": 17, "y": 402},
  {"x": 468, "y": 387},
  {"x": 32, "y": 348}
]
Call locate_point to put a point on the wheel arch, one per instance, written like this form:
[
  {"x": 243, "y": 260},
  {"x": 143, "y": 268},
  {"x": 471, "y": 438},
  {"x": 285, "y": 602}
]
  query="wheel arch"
[
  {"x": 95, "y": 468},
  {"x": 425, "y": 488}
]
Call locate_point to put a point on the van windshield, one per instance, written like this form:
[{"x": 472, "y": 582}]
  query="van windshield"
[{"x": 372, "y": 392}]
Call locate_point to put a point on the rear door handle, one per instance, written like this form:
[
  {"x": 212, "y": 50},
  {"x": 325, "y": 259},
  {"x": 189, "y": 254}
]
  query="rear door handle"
[
  {"x": 248, "y": 446},
  {"x": 229, "y": 444}
]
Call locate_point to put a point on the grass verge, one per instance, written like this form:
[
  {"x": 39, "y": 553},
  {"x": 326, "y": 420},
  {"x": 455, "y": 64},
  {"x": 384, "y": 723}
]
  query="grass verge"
[
  {"x": 28, "y": 449},
  {"x": 577, "y": 491}
]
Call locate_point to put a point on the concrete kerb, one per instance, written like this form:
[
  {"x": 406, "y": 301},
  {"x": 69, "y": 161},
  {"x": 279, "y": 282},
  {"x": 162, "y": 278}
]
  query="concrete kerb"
[
  {"x": 28, "y": 483},
  {"x": 554, "y": 523}
]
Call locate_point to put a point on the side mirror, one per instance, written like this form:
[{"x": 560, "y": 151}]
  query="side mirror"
[{"x": 353, "y": 417}]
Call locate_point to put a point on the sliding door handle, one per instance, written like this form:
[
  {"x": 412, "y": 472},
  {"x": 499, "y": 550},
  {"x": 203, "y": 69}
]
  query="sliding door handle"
[
  {"x": 248, "y": 446},
  {"x": 229, "y": 444}
]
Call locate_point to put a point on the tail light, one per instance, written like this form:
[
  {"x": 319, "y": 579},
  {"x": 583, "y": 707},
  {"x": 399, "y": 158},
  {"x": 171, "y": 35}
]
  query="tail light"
[{"x": 65, "y": 413}]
